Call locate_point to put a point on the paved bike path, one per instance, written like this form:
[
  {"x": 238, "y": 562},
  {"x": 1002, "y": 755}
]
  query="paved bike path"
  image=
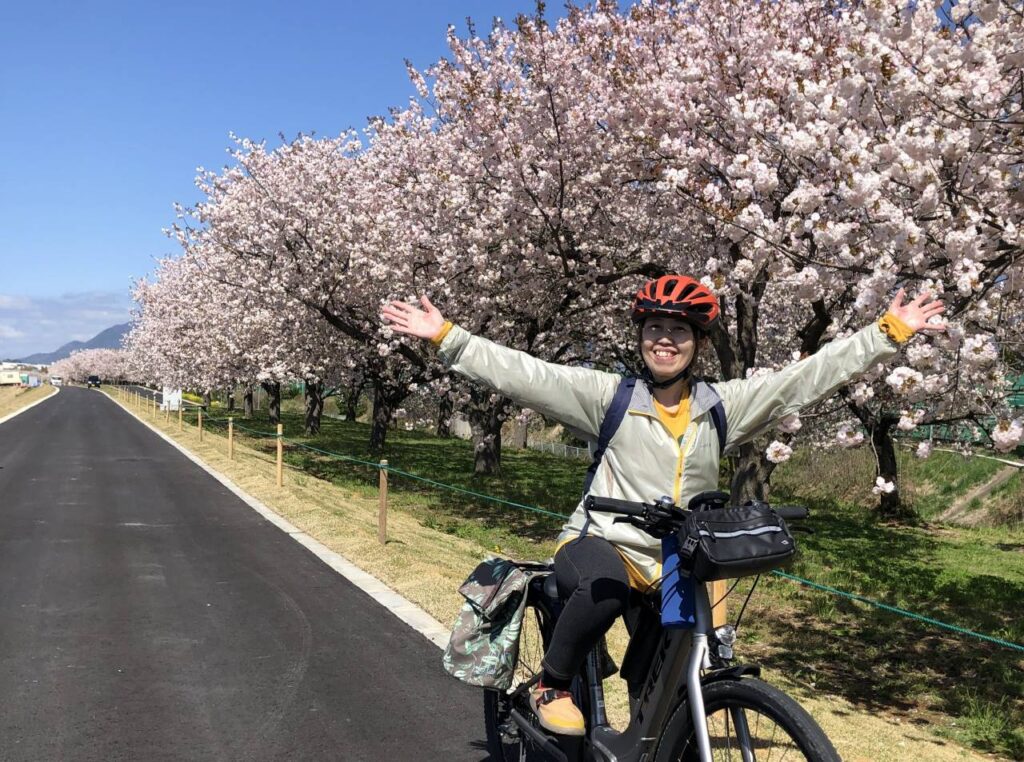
[{"x": 147, "y": 613}]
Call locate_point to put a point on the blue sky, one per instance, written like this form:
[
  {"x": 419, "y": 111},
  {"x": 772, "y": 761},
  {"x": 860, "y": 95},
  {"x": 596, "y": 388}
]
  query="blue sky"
[{"x": 107, "y": 108}]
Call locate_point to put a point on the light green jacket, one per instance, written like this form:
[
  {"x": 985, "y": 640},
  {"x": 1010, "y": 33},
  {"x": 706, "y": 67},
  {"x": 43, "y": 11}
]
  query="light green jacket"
[{"x": 643, "y": 461}]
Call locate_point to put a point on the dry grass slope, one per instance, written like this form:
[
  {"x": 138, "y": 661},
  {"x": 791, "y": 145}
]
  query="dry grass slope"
[{"x": 13, "y": 398}]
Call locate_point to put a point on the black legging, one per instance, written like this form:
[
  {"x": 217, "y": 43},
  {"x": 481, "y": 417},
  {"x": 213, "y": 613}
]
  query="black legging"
[{"x": 592, "y": 581}]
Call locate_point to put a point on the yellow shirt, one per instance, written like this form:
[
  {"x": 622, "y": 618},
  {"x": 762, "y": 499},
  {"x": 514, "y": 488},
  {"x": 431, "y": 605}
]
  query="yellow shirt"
[{"x": 675, "y": 422}]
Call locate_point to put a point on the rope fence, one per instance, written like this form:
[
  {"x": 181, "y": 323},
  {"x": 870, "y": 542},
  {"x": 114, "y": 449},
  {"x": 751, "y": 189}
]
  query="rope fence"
[{"x": 385, "y": 470}]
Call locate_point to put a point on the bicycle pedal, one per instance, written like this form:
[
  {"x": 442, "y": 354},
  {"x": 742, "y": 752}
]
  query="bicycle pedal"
[{"x": 509, "y": 732}]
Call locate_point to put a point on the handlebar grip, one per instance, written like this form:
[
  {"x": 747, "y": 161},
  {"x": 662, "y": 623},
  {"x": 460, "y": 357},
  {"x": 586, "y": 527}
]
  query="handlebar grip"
[
  {"x": 792, "y": 512},
  {"x": 612, "y": 505}
]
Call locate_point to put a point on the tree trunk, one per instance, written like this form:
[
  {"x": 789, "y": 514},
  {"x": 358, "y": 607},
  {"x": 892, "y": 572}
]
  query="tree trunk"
[
  {"x": 485, "y": 419},
  {"x": 231, "y": 401},
  {"x": 383, "y": 407},
  {"x": 352, "y": 399},
  {"x": 890, "y": 504},
  {"x": 751, "y": 472},
  {"x": 314, "y": 406},
  {"x": 207, "y": 400},
  {"x": 517, "y": 438},
  {"x": 273, "y": 391},
  {"x": 444, "y": 416},
  {"x": 247, "y": 402},
  {"x": 880, "y": 425}
]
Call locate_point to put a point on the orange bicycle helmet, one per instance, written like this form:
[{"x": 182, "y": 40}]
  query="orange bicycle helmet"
[{"x": 677, "y": 296}]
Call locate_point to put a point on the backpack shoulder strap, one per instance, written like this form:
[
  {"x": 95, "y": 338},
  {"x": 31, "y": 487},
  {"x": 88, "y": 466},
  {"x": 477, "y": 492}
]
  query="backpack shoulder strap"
[
  {"x": 721, "y": 425},
  {"x": 609, "y": 425}
]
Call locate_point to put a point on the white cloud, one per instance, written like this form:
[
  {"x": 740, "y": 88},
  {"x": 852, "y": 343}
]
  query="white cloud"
[
  {"x": 8, "y": 302},
  {"x": 6, "y": 332},
  {"x": 42, "y": 324}
]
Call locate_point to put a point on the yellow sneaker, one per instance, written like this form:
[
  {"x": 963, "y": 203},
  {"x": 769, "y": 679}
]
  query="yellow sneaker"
[{"x": 556, "y": 711}]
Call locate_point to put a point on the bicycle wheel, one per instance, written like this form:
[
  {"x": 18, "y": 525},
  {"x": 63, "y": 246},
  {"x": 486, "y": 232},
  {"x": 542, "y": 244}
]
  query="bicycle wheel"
[
  {"x": 747, "y": 720},
  {"x": 503, "y": 736}
]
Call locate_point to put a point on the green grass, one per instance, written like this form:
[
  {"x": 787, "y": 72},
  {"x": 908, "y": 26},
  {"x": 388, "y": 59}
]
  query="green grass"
[{"x": 974, "y": 578}]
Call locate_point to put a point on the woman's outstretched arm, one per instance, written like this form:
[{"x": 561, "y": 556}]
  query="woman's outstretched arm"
[
  {"x": 752, "y": 405},
  {"x": 577, "y": 397}
]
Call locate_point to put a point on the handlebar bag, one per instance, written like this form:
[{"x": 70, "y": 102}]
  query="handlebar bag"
[{"x": 737, "y": 541}]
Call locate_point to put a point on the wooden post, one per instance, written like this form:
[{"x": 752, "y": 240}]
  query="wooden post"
[
  {"x": 231, "y": 438},
  {"x": 382, "y": 510},
  {"x": 715, "y": 592},
  {"x": 280, "y": 455},
  {"x": 200, "y": 424},
  {"x": 167, "y": 412}
]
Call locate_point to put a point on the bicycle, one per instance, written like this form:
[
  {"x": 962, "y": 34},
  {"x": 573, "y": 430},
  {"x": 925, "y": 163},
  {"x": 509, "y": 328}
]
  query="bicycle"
[{"x": 688, "y": 700}]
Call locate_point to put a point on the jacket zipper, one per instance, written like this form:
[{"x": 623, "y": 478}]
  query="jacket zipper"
[{"x": 677, "y": 489}]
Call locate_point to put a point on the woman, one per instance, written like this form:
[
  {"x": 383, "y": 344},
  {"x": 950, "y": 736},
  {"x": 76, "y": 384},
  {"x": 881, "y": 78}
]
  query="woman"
[{"x": 668, "y": 443}]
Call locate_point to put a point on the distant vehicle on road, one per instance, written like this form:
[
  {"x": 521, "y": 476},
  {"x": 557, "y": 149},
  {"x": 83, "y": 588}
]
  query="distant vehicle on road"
[
  {"x": 56, "y": 381},
  {"x": 93, "y": 381}
]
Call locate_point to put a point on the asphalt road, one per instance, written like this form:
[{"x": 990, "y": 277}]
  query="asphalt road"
[{"x": 146, "y": 613}]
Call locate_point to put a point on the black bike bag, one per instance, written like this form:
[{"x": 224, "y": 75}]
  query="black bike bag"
[{"x": 734, "y": 541}]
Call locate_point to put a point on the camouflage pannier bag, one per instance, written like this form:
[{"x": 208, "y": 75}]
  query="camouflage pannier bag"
[{"x": 484, "y": 644}]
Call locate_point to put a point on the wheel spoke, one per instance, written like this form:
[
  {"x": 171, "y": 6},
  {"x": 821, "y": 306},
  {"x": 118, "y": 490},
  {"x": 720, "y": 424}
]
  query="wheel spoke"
[{"x": 731, "y": 729}]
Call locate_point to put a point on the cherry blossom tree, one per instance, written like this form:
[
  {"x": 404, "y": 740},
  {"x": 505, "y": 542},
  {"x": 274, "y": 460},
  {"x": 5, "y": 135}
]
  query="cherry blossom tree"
[
  {"x": 807, "y": 160},
  {"x": 305, "y": 225},
  {"x": 194, "y": 331},
  {"x": 824, "y": 156},
  {"x": 111, "y": 365}
]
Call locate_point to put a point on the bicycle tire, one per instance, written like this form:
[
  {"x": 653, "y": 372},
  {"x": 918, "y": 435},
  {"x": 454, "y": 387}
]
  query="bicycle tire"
[{"x": 805, "y": 736}]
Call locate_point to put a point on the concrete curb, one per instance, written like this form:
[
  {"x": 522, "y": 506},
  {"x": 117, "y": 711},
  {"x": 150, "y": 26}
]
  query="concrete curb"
[
  {"x": 9, "y": 416},
  {"x": 393, "y": 601}
]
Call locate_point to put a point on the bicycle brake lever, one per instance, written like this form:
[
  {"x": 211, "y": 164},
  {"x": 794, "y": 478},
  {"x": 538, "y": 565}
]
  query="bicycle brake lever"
[
  {"x": 627, "y": 520},
  {"x": 633, "y": 521}
]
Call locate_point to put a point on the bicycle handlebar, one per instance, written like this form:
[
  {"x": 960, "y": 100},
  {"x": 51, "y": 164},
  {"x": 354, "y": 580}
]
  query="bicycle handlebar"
[
  {"x": 631, "y": 508},
  {"x": 613, "y": 505}
]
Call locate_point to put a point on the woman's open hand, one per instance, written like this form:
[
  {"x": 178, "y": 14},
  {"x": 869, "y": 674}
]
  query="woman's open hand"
[
  {"x": 423, "y": 323},
  {"x": 916, "y": 313}
]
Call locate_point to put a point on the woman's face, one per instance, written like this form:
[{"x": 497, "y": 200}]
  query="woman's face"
[{"x": 667, "y": 345}]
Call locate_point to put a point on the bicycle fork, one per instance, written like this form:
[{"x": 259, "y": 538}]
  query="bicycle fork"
[{"x": 700, "y": 660}]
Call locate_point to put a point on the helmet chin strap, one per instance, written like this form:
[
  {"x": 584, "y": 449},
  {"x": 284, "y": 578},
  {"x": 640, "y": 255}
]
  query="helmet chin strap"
[{"x": 681, "y": 375}]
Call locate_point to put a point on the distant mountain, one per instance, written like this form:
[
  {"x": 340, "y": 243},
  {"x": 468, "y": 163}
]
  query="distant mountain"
[{"x": 108, "y": 339}]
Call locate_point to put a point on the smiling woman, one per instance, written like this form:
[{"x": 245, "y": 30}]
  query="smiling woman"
[{"x": 669, "y": 441}]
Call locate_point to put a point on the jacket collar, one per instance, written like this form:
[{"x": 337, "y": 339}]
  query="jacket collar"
[{"x": 703, "y": 397}]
